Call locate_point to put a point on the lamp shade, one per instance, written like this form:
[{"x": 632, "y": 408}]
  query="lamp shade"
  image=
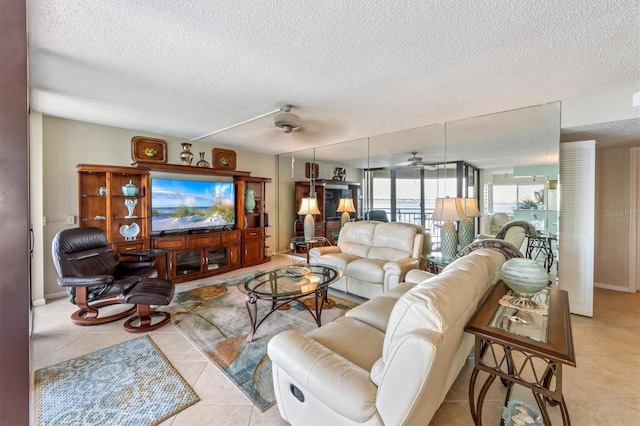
[
  {"x": 309, "y": 206},
  {"x": 346, "y": 205},
  {"x": 465, "y": 231},
  {"x": 470, "y": 207},
  {"x": 448, "y": 209}
]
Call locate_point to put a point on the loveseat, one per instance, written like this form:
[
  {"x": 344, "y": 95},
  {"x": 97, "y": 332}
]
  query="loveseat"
[
  {"x": 391, "y": 360},
  {"x": 374, "y": 256}
]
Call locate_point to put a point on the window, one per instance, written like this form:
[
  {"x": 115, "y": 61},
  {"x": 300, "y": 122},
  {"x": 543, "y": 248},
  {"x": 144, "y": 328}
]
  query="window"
[{"x": 508, "y": 198}]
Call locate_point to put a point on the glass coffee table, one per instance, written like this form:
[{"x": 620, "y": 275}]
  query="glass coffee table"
[{"x": 281, "y": 286}]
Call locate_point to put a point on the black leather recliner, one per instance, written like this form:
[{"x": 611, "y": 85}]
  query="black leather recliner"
[
  {"x": 95, "y": 277},
  {"x": 379, "y": 215}
]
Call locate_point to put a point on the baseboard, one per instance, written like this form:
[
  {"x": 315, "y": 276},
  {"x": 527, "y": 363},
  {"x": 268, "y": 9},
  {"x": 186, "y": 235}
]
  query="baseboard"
[
  {"x": 612, "y": 287},
  {"x": 56, "y": 295},
  {"x": 38, "y": 302}
]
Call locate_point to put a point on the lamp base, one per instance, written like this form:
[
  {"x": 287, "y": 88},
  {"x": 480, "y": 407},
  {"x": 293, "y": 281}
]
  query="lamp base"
[
  {"x": 309, "y": 228},
  {"x": 344, "y": 219},
  {"x": 449, "y": 240},
  {"x": 465, "y": 233}
]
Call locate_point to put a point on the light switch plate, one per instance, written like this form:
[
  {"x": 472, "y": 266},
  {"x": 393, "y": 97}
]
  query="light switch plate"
[{"x": 71, "y": 220}]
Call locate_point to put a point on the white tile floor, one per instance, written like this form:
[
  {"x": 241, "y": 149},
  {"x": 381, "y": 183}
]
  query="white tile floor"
[{"x": 604, "y": 389}]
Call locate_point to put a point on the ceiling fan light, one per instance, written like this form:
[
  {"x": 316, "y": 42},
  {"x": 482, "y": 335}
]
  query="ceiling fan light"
[{"x": 287, "y": 122}]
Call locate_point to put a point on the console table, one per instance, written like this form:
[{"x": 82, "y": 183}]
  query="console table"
[{"x": 522, "y": 348}]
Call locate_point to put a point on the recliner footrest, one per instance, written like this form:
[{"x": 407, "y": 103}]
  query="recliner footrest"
[{"x": 152, "y": 291}]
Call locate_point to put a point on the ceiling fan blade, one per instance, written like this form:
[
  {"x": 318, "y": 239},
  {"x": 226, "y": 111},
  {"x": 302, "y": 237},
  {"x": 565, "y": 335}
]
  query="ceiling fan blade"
[{"x": 404, "y": 164}]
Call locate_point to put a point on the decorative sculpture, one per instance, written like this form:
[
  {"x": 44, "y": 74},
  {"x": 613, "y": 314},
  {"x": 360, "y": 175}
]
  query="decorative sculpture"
[{"x": 131, "y": 204}]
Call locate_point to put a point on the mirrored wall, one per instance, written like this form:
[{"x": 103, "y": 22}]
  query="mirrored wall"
[{"x": 507, "y": 161}]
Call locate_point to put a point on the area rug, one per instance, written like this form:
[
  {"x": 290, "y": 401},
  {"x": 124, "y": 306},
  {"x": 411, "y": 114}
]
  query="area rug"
[
  {"x": 215, "y": 319},
  {"x": 131, "y": 383}
]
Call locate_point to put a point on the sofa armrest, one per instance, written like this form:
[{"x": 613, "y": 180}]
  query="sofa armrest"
[
  {"x": 401, "y": 267},
  {"x": 416, "y": 276},
  {"x": 395, "y": 271},
  {"x": 485, "y": 237},
  {"x": 409, "y": 367},
  {"x": 316, "y": 252},
  {"x": 335, "y": 381},
  {"x": 85, "y": 281}
]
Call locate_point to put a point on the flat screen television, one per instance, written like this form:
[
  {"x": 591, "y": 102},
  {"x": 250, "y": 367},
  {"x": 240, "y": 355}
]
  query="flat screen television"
[
  {"x": 332, "y": 199},
  {"x": 189, "y": 205}
]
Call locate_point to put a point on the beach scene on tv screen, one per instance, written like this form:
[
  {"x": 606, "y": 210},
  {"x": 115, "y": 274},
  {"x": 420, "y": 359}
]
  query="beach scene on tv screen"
[{"x": 183, "y": 204}]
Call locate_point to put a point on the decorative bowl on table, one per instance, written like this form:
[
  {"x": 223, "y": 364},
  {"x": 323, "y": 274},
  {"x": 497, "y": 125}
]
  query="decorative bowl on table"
[
  {"x": 525, "y": 277},
  {"x": 518, "y": 413},
  {"x": 295, "y": 271}
]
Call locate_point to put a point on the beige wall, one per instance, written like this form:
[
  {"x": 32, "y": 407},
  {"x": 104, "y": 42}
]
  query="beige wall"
[
  {"x": 612, "y": 198},
  {"x": 67, "y": 143}
]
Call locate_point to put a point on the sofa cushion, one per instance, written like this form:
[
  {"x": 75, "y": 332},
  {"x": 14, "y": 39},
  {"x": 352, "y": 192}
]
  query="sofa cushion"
[
  {"x": 356, "y": 238},
  {"x": 368, "y": 270},
  {"x": 339, "y": 260},
  {"x": 444, "y": 300},
  {"x": 353, "y": 340},
  {"x": 376, "y": 311},
  {"x": 392, "y": 241}
]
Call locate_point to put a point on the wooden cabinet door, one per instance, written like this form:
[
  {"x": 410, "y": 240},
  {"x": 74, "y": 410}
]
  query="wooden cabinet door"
[
  {"x": 234, "y": 254},
  {"x": 253, "y": 251},
  {"x": 186, "y": 262}
]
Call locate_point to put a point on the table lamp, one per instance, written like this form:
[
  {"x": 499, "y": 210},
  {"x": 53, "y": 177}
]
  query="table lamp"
[
  {"x": 448, "y": 210},
  {"x": 465, "y": 232},
  {"x": 345, "y": 206},
  {"x": 309, "y": 208}
]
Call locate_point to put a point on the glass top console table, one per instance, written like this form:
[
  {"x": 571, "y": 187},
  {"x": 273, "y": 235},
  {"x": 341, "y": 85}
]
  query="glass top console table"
[
  {"x": 281, "y": 286},
  {"x": 521, "y": 347}
]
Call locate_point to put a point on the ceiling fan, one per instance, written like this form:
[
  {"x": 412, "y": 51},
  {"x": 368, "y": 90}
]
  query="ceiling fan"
[
  {"x": 286, "y": 121},
  {"x": 415, "y": 161}
]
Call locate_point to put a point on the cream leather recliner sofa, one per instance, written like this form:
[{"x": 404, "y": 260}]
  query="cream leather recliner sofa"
[
  {"x": 391, "y": 360},
  {"x": 374, "y": 256}
]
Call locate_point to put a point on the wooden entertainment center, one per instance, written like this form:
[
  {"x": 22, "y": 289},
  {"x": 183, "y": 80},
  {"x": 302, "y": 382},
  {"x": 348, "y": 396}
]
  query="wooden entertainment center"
[
  {"x": 191, "y": 254},
  {"x": 328, "y": 193}
]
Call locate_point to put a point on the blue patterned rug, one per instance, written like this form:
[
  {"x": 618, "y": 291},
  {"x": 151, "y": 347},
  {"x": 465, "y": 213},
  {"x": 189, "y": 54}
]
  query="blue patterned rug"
[
  {"x": 127, "y": 384},
  {"x": 215, "y": 319}
]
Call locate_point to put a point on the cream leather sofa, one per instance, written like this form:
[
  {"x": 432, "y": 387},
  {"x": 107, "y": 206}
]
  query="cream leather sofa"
[
  {"x": 374, "y": 256},
  {"x": 391, "y": 360}
]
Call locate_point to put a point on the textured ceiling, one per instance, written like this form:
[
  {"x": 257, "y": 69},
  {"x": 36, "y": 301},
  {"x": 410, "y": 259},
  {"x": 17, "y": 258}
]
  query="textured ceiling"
[{"x": 351, "y": 69}]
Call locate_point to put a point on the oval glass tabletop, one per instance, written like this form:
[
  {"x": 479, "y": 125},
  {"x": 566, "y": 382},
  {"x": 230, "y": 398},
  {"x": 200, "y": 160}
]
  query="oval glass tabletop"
[{"x": 288, "y": 281}]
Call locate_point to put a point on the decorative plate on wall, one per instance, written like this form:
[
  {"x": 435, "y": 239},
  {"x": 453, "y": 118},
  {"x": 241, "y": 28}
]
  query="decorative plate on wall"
[
  {"x": 224, "y": 159},
  {"x": 311, "y": 169},
  {"x": 149, "y": 150}
]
